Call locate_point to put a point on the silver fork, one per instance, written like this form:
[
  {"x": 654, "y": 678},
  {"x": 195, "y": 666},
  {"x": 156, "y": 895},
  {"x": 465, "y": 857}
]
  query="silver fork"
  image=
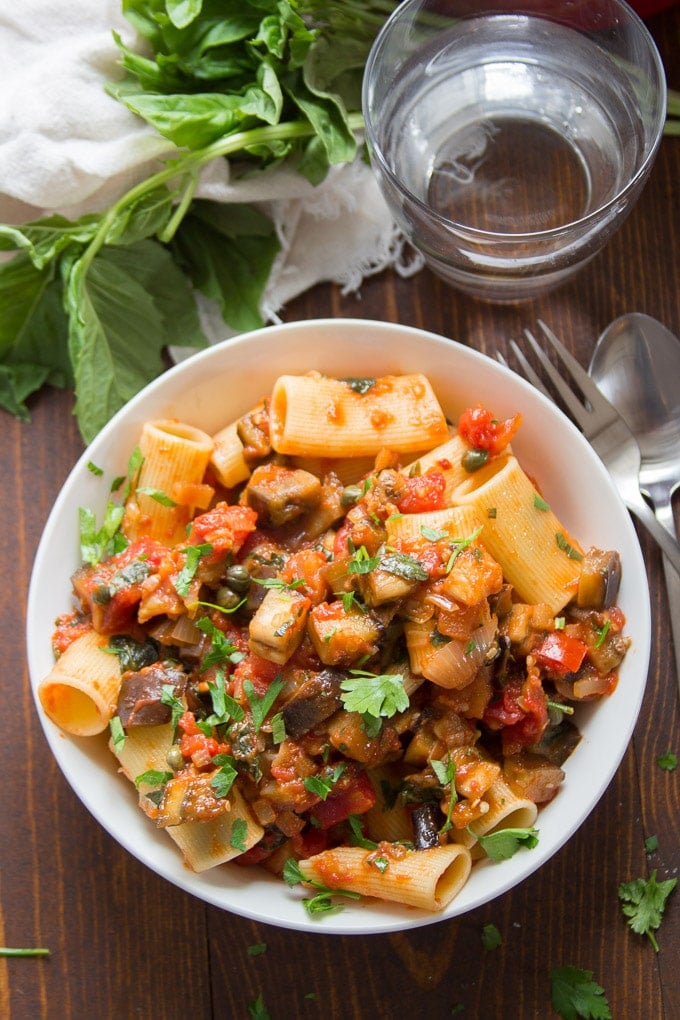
[{"x": 601, "y": 424}]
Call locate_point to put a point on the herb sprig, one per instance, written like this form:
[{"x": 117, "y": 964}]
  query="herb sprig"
[{"x": 111, "y": 290}]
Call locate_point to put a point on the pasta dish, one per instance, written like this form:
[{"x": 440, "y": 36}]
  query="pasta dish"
[{"x": 340, "y": 639}]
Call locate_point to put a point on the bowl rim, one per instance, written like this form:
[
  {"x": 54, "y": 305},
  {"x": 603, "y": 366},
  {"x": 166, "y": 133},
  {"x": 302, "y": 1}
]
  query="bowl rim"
[{"x": 162, "y": 856}]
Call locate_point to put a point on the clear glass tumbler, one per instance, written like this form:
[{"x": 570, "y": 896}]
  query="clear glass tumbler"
[{"x": 510, "y": 140}]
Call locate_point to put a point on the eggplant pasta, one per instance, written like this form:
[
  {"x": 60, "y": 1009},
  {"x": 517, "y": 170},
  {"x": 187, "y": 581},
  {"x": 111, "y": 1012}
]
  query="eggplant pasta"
[{"x": 339, "y": 633}]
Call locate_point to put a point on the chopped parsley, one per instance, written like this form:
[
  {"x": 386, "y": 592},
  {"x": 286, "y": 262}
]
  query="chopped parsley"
[
  {"x": 373, "y": 695},
  {"x": 259, "y": 707},
  {"x": 458, "y": 546},
  {"x": 566, "y": 547},
  {"x": 224, "y": 779},
  {"x": 117, "y": 734},
  {"x": 153, "y": 777},
  {"x": 239, "y": 831},
  {"x": 504, "y": 843},
  {"x": 445, "y": 771},
  {"x": 186, "y": 575},
  {"x": 157, "y": 496},
  {"x": 360, "y": 386},
  {"x": 279, "y": 583},
  {"x": 668, "y": 761},
  {"x": 257, "y": 949},
  {"x": 401, "y": 565},
  {"x": 575, "y": 994},
  {"x": 643, "y": 902},
  {"x": 175, "y": 704},
  {"x": 540, "y": 503},
  {"x": 97, "y": 544},
  {"x": 322, "y": 784},
  {"x": 491, "y": 937},
  {"x": 324, "y": 901},
  {"x": 361, "y": 562}
]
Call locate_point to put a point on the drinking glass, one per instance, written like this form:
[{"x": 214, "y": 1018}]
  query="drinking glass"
[{"x": 510, "y": 140}]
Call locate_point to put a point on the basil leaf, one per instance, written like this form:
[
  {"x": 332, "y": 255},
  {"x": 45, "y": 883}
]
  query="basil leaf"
[
  {"x": 126, "y": 307},
  {"x": 228, "y": 254}
]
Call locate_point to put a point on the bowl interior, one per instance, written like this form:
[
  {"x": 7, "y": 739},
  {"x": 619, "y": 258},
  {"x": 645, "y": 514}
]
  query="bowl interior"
[{"x": 214, "y": 387}]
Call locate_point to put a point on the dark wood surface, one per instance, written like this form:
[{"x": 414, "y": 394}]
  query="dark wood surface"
[{"x": 125, "y": 944}]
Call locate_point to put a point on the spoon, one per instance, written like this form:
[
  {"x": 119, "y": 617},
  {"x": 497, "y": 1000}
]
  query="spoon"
[{"x": 636, "y": 364}]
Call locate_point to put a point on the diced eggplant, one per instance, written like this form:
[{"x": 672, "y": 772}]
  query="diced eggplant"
[
  {"x": 189, "y": 797},
  {"x": 139, "y": 699},
  {"x": 426, "y": 819},
  {"x": 280, "y": 494},
  {"x": 317, "y": 698},
  {"x": 253, "y": 431},
  {"x": 598, "y": 584},
  {"x": 278, "y": 626}
]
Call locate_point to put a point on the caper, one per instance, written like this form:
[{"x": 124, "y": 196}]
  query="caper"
[
  {"x": 175, "y": 758},
  {"x": 227, "y": 597},
  {"x": 238, "y": 577},
  {"x": 350, "y": 495},
  {"x": 475, "y": 459}
]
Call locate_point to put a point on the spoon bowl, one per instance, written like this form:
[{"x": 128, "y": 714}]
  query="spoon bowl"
[{"x": 636, "y": 364}]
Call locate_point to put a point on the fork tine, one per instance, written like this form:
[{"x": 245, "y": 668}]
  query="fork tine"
[
  {"x": 528, "y": 369},
  {"x": 586, "y": 384},
  {"x": 566, "y": 393}
]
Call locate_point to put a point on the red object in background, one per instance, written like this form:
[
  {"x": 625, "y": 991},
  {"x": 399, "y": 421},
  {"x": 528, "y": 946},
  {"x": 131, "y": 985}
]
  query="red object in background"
[{"x": 647, "y": 7}]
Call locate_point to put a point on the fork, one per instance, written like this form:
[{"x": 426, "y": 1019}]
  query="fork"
[{"x": 601, "y": 424}]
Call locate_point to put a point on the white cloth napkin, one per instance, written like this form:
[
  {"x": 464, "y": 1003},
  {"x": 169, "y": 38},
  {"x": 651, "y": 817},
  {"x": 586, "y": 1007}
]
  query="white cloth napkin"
[{"x": 66, "y": 146}]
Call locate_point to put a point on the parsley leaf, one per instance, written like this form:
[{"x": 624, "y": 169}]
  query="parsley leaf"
[
  {"x": 259, "y": 707},
  {"x": 643, "y": 903},
  {"x": 575, "y": 994},
  {"x": 361, "y": 562},
  {"x": 445, "y": 771},
  {"x": 224, "y": 778},
  {"x": 668, "y": 761},
  {"x": 370, "y": 694},
  {"x": 504, "y": 843},
  {"x": 97, "y": 544},
  {"x": 117, "y": 734},
  {"x": 322, "y": 784},
  {"x": 188, "y": 572},
  {"x": 175, "y": 704},
  {"x": 258, "y": 1010},
  {"x": 323, "y": 901},
  {"x": 401, "y": 565},
  {"x": 239, "y": 831},
  {"x": 491, "y": 937},
  {"x": 153, "y": 777}
]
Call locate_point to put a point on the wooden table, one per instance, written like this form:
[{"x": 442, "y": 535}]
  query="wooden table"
[{"x": 125, "y": 944}]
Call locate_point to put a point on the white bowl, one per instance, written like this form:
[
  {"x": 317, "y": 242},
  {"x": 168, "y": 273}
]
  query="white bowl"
[{"x": 217, "y": 385}]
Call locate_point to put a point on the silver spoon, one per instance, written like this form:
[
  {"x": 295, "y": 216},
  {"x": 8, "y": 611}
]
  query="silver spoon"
[{"x": 636, "y": 364}]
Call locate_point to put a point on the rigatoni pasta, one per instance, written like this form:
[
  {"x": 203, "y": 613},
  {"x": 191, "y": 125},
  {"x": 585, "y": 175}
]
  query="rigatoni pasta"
[{"x": 339, "y": 638}]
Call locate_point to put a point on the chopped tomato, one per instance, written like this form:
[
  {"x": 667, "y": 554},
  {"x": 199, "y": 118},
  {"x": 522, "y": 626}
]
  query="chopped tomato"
[
  {"x": 225, "y": 528},
  {"x": 259, "y": 671},
  {"x": 112, "y": 590},
  {"x": 561, "y": 653},
  {"x": 352, "y": 799},
  {"x": 504, "y": 710},
  {"x": 195, "y": 744},
  {"x": 423, "y": 493},
  {"x": 480, "y": 430},
  {"x": 68, "y": 627},
  {"x": 521, "y": 713},
  {"x": 307, "y": 565},
  {"x": 310, "y": 842}
]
